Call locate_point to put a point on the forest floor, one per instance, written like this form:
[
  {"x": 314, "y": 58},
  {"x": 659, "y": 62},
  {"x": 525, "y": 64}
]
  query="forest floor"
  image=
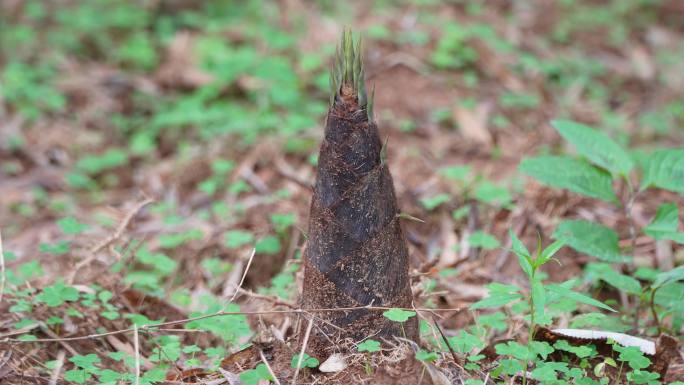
[{"x": 156, "y": 165}]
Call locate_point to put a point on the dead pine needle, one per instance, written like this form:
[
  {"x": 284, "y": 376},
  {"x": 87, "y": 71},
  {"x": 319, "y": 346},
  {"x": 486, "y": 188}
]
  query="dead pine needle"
[
  {"x": 122, "y": 225},
  {"x": 136, "y": 346},
  {"x": 446, "y": 340},
  {"x": 301, "y": 353},
  {"x": 59, "y": 362},
  {"x": 244, "y": 275},
  {"x": 268, "y": 366}
]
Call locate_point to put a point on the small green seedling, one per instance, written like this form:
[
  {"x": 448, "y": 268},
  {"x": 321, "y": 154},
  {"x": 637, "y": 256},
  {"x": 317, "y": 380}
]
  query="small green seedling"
[
  {"x": 426, "y": 356},
  {"x": 253, "y": 376},
  {"x": 399, "y": 315},
  {"x": 306, "y": 361},
  {"x": 369, "y": 346}
]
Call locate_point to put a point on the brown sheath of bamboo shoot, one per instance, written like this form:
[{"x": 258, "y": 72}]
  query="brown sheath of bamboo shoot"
[{"x": 356, "y": 253}]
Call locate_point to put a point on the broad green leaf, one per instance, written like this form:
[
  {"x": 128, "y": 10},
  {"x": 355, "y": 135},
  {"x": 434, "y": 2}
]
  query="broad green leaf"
[
  {"x": 457, "y": 172},
  {"x": 57, "y": 294},
  {"x": 78, "y": 376},
  {"x": 541, "y": 348},
  {"x": 94, "y": 164},
  {"x": 496, "y": 287},
  {"x": 86, "y": 362},
  {"x": 499, "y": 295},
  {"x": 538, "y": 296},
  {"x": 592, "y": 239},
  {"x": 605, "y": 272},
  {"x": 368, "y": 346},
  {"x": 571, "y": 174},
  {"x": 269, "y": 245},
  {"x": 307, "y": 361},
  {"x": 665, "y": 169},
  {"x": 489, "y": 193},
  {"x": 665, "y": 222},
  {"x": 509, "y": 366},
  {"x": 639, "y": 377},
  {"x": 483, "y": 240},
  {"x": 431, "y": 203},
  {"x": 426, "y": 356},
  {"x": 580, "y": 351},
  {"x": 61, "y": 247},
  {"x": 495, "y": 300},
  {"x": 677, "y": 237},
  {"x": 546, "y": 372},
  {"x": 563, "y": 291},
  {"x": 496, "y": 321},
  {"x": 465, "y": 342},
  {"x": 676, "y": 274},
  {"x": 70, "y": 225},
  {"x": 254, "y": 376},
  {"x": 622, "y": 282},
  {"x": 596, "y": 146},
  {"x": 237, "y": 238},
  {"x": 109, "y": 376},
  {"x": 633, "y": 356},
  {"x": 398, "y": 315},
  {"x": 671, "y": 296},
  {"x": 515, "y": 350},
  {"x": 472, "y": 381},
  {"x": 282, "y": 222}
]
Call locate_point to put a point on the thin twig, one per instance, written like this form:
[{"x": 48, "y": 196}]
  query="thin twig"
[
  {"x": 446, "y": 341},
  {"x": 244, "y": 275},
  {"x": 107, "y": 241},
  {"x": 58, "y": 368},
  {"x": 265, "y": 361},
  {"x": 301, "y": 353},
  {"x": 219, "y": 314},
  {"x": 52, "y": 334},
  {"x": 122, "y": 226},
  {"x": 273, "y": 299},
  {"x": 136, "y": 346},
  {"x": 653, "y": 310}
]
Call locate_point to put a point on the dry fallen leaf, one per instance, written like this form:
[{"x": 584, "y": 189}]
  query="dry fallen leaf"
[
  {"x": 473, "y": 123},
  {"x": 180, "y": 68},
  {"x": 335, "y": 363}
]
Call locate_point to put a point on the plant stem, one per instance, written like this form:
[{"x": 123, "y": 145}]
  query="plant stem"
[
  {"x": 627, "y": 209},
  {"x": 653, "y": 310},
  {"x": 369, "y": 370},
  {"x": 533, "y": 326}
]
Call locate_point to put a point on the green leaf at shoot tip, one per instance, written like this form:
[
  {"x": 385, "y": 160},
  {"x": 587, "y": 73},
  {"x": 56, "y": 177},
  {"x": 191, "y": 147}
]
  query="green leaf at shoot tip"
[{"x": 550, "y": 251}]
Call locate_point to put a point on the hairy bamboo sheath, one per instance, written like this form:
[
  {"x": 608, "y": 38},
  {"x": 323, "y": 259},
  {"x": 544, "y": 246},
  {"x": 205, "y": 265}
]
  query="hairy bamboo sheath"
[{"x": 356, "y": 253}]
